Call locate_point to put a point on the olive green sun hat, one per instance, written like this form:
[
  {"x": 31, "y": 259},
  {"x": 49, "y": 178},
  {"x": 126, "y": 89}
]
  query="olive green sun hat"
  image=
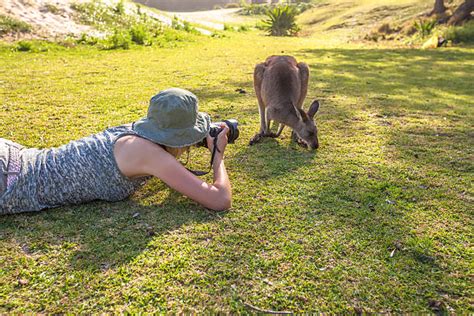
[{"x": 173, "y": 119}]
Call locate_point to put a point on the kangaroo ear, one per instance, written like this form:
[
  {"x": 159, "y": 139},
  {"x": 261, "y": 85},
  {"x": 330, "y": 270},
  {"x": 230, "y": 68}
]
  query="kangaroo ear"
[
  {"x": 302, "y": 114},
  {"x": 313, "y": 109}
]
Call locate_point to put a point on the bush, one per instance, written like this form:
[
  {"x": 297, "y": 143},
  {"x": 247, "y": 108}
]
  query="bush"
[
  {"x": 189, "y": 28},
  {"x": 183, "y": 26},
  {"x": 425, "y": 27},
  {"x": 243, "y": 28},
  {"x": 135, "y": 26},
  {"x": 24, "y": 46},
  {"x": 34, "y": 46},
  {"x": 120, "y": 8},
  {"x": 170, "y": 38},
  {"x": 255, "y": 9},
  {"x": 460, "y": 34},
  {"x": 228, "y": 27},
  {"x": 107, "y": 18},
  {"x": 9, "y": 24},
  {"x": 281, "y": 21},
  {"x": 120, "y": 39},
  {"x": 140, "y": 35},
  {"x": 87, "y": 40}
]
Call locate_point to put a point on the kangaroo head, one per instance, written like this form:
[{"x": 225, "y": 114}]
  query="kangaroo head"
[{"x": 306, "y": 129}]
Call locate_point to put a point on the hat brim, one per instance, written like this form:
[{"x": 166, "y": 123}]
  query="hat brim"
[{"x": 174, "y": 137}]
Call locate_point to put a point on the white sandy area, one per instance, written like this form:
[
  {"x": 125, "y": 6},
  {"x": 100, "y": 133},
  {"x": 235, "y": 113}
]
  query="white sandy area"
[{"x": 46, "y": 24}]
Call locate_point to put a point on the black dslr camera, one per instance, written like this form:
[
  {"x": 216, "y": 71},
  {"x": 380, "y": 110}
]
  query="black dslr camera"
[{"x": 216, "y": 129}]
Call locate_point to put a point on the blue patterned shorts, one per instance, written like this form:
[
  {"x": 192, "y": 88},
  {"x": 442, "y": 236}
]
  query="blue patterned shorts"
[{"x": 10, "y": 163}]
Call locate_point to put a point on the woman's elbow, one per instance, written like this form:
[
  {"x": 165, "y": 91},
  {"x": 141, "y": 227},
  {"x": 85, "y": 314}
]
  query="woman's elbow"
[{"x": 223, "y": 204}]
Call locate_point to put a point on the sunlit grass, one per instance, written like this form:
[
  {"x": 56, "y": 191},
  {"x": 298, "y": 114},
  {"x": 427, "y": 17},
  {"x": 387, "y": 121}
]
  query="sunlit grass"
[{"x": 379, "y": 219}]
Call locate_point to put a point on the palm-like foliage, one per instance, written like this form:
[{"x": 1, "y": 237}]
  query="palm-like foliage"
[
  {"x": 281, "y": 21},
  {"x": 425, "y": 27}
]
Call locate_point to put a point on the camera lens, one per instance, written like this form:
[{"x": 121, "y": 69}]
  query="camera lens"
[
  {"x": 233, "y": 130},
  {"x": 216, "y": 129}
]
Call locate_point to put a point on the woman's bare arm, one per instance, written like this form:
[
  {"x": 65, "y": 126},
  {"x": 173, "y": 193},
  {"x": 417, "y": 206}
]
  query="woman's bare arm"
[{"x": 137, "y": 157}]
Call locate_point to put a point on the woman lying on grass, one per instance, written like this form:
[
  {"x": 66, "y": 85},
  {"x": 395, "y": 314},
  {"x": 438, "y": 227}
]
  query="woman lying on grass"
[{"x": 113, "y": 164}]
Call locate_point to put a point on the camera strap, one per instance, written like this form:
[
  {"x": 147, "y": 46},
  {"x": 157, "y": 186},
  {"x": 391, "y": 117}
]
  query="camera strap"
[{"x": 214, "y": 150}]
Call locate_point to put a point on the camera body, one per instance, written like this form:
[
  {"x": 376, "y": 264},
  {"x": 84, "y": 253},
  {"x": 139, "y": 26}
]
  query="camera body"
[{"x": 216, "y": 129}]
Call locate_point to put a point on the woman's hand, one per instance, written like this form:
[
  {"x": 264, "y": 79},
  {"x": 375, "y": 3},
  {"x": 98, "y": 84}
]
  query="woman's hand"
[
  {"x": 221, "y": 140},
  {"x": 137, "y": 156}
]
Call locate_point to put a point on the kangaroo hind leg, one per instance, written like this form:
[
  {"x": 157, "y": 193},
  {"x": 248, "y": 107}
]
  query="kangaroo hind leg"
[{"x": 257, "y": 83}]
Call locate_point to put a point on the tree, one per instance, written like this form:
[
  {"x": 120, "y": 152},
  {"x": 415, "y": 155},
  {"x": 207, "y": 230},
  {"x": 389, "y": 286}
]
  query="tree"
[
  {"x": 462, "y": 13},
  {"x": 439, "y": 7}
]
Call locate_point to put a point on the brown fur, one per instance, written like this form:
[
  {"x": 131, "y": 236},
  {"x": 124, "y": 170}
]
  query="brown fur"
[{"x": 281, "y": 85}]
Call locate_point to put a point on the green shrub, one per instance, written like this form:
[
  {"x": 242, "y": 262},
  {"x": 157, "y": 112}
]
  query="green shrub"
[
  {"x": 34, "y": 46},
  {"x": 140, "y": 35},
  {"x": 120, "y": 8},
  {"x": 171, "y": 37},
  {"x": 217, "y": 34},
  {"x": 139, "y": 10},
  {"x": 460, "y": 34},
  {"x": 120, "y": 39},
  {"x": 189, "y": 28},
  {"x": 125, "y": 27},
  {"x": 228, "y": 27},
  {"x": 260, "y": 25},
  {"x": 243, "y": 28},
  {"x": 281, "y": 21},
  {"x": 87, "y": 40},
  {"x": 255, "y": 9},
  {"x": 9, "y": 24},
  {"x": 183, "y": 26},
  {"x": 425, "y": 27},
  {"x": 24, "y": 46},
  {"x": 176, "y": 24},
  {"x": 104, "y": 17}
]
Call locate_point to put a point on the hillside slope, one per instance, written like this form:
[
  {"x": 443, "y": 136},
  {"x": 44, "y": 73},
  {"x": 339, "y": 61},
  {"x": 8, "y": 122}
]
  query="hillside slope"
[
  {"x": 47, "y": 19},
  {"x": 351, "y": 19}
]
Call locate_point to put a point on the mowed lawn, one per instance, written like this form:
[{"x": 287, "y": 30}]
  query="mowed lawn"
[{"x": 378, "y": 219}]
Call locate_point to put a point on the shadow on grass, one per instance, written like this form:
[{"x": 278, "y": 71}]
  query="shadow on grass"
[
  {"x": 422, "y": 97},
  {"x": 101, "y": 234},
  {"x": 335, "y": 234},
  {"x": 270, "y": 158}
]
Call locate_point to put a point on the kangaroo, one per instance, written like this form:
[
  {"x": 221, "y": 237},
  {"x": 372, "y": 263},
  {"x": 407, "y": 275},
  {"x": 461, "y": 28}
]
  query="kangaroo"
[{"x": 281, "y": 85}]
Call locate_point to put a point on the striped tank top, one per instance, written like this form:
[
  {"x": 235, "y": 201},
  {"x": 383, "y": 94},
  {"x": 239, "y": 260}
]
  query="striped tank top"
[{"x": 80, "y": 171}]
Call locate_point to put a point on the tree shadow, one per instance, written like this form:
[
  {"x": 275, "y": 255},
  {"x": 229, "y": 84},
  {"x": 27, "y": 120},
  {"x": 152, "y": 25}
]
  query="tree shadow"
[
  {"x": 102, "y": 235},
  {"x": 270, "y": 158},
  {"x": 420, "y": 75},
  {"x": 420, "y": 97}
]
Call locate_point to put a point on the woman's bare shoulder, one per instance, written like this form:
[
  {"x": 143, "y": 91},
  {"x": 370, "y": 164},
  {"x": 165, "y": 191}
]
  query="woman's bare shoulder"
[{"x": 133, "y": 153}]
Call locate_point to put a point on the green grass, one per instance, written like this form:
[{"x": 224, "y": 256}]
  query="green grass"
[
  {"x": 307, "y": 232},
  {"x": 9, "y": 24}
]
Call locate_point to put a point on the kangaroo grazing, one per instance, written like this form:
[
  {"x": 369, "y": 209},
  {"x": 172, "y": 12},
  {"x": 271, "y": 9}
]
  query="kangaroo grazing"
[{"x": 281, "y": 85}]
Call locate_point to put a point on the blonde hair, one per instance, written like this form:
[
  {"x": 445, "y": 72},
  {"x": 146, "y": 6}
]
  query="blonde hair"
[{"x": 177, "y": 152}]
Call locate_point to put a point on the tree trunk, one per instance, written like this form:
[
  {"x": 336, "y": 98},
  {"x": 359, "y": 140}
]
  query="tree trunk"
[
  {"x": 439, "y": 7},
  {"x": 462, "y": 13}
]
